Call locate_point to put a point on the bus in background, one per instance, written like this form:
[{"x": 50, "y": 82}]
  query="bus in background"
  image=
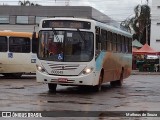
[
  {"x": 82, "y": 52},
  {"x": 17, "y": 53}
]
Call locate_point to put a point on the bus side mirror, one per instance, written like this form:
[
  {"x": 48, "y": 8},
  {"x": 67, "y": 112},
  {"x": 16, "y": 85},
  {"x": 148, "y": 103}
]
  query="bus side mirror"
[
  {"x": 34, "y": 35},
  {"x": 35, "y": 41}
]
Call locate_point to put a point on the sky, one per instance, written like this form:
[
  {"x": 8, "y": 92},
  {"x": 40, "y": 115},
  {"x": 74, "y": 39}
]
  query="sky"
[{"x": 119, "y": 10}]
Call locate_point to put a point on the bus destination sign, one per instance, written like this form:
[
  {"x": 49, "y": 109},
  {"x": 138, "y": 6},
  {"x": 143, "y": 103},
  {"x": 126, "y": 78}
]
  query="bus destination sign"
[{"x": 66, "y": 24}]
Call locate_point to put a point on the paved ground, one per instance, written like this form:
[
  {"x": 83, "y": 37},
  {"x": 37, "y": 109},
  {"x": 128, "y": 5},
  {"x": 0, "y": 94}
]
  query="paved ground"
[
  {"x": 136, "y": 72},
  {"x": 139, "y": 93}
]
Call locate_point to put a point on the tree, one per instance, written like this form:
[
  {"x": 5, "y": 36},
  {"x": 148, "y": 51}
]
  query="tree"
[
  {"x": 27, "y": 3},
  {"x": 140, "y": 23},
  {"x": 126, "y": 25},
  {"x": 32, "y": 4},
  {"x": 24, "y": 3}
]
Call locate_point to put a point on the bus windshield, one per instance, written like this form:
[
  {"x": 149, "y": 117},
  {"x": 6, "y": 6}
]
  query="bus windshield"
[{"x": 66, "y": 46}]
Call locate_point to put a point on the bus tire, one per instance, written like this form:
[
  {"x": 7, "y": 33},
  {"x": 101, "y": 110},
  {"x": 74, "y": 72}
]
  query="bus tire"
[
  {"x": 14, "y": 75},
  {"x": 118, "y": 82},
  {"x": 52, "y": 87},
  {"x": 113, "y": 83},
  {"x": 17, "y": 75},
  {"x": 98, "y": 87}
]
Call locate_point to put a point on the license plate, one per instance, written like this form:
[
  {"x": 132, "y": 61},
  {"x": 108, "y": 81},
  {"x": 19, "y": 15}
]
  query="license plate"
[{"x": 62, "y": 80}]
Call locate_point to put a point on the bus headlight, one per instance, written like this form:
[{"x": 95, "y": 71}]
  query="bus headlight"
[
  {"x": 40, "y": 69},
  {"x": 87, "y": 70}
]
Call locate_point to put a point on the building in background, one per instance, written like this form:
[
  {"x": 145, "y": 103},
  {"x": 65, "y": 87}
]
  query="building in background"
[
  {"x": 155, "y": 25},
  {"x": 26, "y": 18}
]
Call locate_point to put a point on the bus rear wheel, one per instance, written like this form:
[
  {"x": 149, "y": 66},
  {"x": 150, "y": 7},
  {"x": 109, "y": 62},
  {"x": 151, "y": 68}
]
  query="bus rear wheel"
[
  {"x": 52, "y": 87},
  {"x": 117, "y": 82}
]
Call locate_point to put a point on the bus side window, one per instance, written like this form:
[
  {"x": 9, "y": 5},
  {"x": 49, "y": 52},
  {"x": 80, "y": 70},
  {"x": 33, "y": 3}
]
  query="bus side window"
[
  {"x": 119, "y": 42},
  {"x": 123, "y": 44},
  {"x": 98, "y": 41},
  {"x": 19, "y": 44},
  {"x": 127, "y": 44},
  {"x": 3, "y": 44},
  {"x": 114, "y": 42},
  {"x": 130, "y": 45},
  {"x": 109, "y": 41},
  {"x": 103, "y": 39}
]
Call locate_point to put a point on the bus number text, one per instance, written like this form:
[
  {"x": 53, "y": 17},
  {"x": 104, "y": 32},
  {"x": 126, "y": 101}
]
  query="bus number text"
[{"x": 57, "y": 72}]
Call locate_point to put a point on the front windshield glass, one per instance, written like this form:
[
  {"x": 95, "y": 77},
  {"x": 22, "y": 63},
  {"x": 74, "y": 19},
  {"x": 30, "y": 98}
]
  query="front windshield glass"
[{"x": 66, "y": 46}]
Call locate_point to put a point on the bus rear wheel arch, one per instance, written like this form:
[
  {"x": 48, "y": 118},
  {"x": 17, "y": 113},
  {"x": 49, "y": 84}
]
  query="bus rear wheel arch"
[{"x": 118, "y": 82}]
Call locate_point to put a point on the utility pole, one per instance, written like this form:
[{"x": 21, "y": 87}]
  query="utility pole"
[
  {"x": 67, "y": 2},
  {"x": 147, "y": 27},
  {"x": 147, "y": 1}
]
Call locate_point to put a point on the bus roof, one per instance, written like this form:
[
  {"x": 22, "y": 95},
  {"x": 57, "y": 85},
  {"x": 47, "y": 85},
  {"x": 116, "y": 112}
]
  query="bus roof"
[
  {"x": 113, "y": 29},
  {"x": 16, "y": 34},
  {"x": 97, "y": 23}
]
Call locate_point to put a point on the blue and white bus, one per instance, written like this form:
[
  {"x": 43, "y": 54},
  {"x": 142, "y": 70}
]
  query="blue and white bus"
[{"x": 82, "y": 52}]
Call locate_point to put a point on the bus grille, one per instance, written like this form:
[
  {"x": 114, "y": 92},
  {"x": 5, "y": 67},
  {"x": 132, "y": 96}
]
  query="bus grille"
[{"x": 63, "y": 67}]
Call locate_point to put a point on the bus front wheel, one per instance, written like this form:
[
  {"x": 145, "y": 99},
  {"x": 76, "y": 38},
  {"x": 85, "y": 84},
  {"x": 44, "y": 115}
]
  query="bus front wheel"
[
  {"x": 52, "y": 87},
  {"x": 98, "y": 87}
]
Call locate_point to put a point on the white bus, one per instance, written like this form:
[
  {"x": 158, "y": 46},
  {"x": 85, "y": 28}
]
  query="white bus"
[
  {"x": 17, "y": 53},
  {"x": 82, "y": 52}
]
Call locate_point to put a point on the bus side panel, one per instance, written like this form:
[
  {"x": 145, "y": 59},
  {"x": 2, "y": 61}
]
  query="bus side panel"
[
  {"x": 18, "y": 63},
  {"x": 112, "y": 64},
  {"x": 112, "y": 67},
  {"x": 104, "y": 61},
  {"x": 127, "y": 58}
]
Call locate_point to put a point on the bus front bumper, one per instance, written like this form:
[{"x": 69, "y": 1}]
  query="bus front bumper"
[{"x": 89, "y": 79}]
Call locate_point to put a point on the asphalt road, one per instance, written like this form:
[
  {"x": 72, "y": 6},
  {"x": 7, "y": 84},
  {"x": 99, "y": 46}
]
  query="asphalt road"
[{"x": 138, "y": 93}]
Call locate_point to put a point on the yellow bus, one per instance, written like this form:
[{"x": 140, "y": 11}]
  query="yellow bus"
[{"x": 17, "y": 53}]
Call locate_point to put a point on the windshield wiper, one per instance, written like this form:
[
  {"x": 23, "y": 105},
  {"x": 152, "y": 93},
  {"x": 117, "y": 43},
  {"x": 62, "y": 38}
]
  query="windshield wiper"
[
  {"x": 81, "y": 35},
  {"x": 55, "y": 33}
]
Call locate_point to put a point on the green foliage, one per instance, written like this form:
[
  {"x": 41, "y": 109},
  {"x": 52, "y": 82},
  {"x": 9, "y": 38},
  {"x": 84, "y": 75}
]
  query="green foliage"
[
  {"x": 27, "y": 3},
  {"x": 140, "y": 23}
]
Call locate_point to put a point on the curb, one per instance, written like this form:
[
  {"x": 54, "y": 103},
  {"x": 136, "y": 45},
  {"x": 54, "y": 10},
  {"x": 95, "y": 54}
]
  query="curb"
[{"x": 144, "y": 73}]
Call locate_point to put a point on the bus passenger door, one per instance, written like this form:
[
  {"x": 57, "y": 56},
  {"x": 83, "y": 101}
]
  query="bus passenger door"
[{"x": 98, "y": 41}]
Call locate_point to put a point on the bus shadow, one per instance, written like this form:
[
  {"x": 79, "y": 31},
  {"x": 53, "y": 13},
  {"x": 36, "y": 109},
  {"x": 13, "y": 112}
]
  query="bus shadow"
[
  {"x": 22, "y": 77},
  {"x": 83, "y": 90}
]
